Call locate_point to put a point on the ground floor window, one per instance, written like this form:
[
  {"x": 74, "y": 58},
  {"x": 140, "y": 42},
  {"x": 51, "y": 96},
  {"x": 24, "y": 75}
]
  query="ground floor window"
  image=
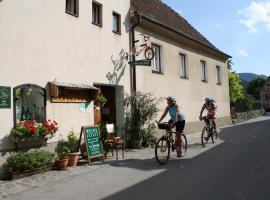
[{"x": 29, "y": 103}]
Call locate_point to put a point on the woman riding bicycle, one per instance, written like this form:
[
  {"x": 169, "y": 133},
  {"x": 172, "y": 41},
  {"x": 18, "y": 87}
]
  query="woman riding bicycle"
[{"x": 177, "y": 119}]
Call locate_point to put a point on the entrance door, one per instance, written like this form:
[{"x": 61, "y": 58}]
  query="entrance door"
[{"x": 108, "y": 112}]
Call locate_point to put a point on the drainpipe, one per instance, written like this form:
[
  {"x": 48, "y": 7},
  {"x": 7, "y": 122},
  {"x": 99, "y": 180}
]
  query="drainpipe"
[{"x": 133, "y": 67}]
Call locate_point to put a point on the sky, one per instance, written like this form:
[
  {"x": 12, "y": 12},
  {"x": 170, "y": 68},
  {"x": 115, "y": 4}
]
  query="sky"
[{"x": 240, "y": 28}]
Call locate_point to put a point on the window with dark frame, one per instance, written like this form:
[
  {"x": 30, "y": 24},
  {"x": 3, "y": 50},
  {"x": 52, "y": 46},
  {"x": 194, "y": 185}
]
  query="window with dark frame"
[
  {"x": 156, "y": 62},
  {"x": 116, "y": 23},
  {"x": 203, "y": 71},
  {"x": 218, "y": 75},
  {"x": 72, "y": 7},
  {"x": 96, "y": 13},
  {"x": 267, "y": 97},
  {"x": 183, "y": 66}
]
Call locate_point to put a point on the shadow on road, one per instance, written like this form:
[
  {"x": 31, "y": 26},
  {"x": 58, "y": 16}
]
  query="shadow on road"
[{"x": 235, "y": 169}]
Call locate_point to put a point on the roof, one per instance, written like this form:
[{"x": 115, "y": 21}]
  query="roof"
[
  {"x": 157, "y": 11},
  {"x": 73, "y": 85}
]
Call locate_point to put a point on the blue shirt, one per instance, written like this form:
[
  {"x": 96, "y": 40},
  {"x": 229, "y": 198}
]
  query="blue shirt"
[{"x": 172, "y": 112}]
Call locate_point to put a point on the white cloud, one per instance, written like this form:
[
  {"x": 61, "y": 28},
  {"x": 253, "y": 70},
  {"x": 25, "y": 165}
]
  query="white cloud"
[
  {"x": 243, "y": 53},
  {"x": 256, "y": 13}
]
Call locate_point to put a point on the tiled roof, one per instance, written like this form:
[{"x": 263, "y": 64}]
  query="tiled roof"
[{"x": 159, "y": 12}]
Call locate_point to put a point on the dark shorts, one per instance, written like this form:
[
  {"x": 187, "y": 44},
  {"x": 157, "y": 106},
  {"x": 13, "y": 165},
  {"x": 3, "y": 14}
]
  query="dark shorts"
[{"x": 180, "y": 125}]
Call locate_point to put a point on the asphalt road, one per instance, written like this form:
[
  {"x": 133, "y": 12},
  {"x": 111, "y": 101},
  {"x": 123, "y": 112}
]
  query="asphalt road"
[{"x": 236, "y": 168}]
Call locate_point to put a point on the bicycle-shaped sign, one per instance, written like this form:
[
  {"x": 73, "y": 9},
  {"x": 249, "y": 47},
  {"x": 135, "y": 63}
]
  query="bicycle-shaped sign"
[{"x": 144, "y": 47}]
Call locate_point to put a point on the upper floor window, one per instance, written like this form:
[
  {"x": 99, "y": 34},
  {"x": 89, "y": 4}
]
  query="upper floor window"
[
  {"x": 96, "y": 13},
  {"x": 72, "y": 7},
  {"x": 156, "y": 62},
  {"x": 116, "y": 23},
  {"x": 267, "y": 98},
  {"x": 218, "y": 75},
  {"x": 183, "y": 66},
  {"x": 30, "y": 102},
  {"x": 203, "y": 71}
]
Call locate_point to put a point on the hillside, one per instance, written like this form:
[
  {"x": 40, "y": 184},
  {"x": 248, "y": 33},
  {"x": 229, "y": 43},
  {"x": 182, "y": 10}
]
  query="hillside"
[{"x": 247, "y": 77}]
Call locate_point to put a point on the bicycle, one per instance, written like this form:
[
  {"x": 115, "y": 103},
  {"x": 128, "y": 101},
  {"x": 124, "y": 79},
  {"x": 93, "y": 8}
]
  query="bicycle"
[
  {"x": 166, "y": 142},
  {"x": 148, "y": 50},
  {"x": 208, "y": 132}
]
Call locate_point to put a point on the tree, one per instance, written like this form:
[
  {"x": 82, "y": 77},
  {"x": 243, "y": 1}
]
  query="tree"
[
  {"x": 229, "y": 64},
  {"x": 254, "y": 87},
  {"x": 236, "y": 89}
]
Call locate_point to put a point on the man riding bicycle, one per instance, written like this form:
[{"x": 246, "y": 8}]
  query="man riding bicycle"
[
  {"x": 211, "y": 107},
  {"x": 177, "y": 119}
]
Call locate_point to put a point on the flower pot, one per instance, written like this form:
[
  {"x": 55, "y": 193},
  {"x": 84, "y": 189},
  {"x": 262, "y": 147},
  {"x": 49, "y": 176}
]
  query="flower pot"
[
  {"x": 73, "y": 159},
  {"x": 61, "y": 164}
]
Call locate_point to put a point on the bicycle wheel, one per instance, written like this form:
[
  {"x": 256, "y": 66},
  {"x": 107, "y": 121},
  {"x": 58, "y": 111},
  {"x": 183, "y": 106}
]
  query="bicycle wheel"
[
  {"x": 149, "y": 53},
  {"x": 183, "y": 145},
  {"x": 214, "y": 136},
  {"x": 204, "y": 137},
  {"x": 162, "y": 150}
]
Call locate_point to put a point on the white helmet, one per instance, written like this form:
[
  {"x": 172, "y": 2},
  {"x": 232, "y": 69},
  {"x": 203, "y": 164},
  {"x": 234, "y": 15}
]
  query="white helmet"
[{"x": 171, "y": 98}]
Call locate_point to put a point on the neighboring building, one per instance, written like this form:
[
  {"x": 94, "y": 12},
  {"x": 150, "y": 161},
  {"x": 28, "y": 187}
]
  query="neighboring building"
[
  {"x": 186, "y": 64},
  {"x": 265, "y": 95},
  {"x": 55, "y": 55}
]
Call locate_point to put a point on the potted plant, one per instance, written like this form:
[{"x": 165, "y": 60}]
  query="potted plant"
[
  {"x": 101, "y": 100},
  {"x": 61, "y": 161},
  {"x": 73, "y": 148},
  {"x": 22, "y": 164}
]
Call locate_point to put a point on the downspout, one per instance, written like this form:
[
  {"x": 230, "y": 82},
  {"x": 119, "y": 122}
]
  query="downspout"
[{"x": 133, "y": 67}]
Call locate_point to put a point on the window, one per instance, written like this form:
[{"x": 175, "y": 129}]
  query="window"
[
  {"x": 183, "y": 66},
  {"x": 72, "y": 7},
  {"x": 156, "y": 62},
  {"x": 29, "y": 101},
  {"x": 203, "y": 71},
  {"x": 116, "y": 23},
  {"x": 267, "y": 98},
  {"x": 97, "y": 13},
  {"x": 218, "y": 75}
]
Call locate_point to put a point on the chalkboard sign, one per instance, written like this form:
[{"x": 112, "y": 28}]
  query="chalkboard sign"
[
  {"x": 93, "y": 142},
  {"x": 5, "y": 97}
]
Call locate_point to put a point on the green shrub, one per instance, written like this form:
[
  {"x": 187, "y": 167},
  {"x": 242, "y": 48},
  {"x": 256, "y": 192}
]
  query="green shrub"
[
  {"x": 20, "y": 162},
  {"x": 72, "y": 141}
]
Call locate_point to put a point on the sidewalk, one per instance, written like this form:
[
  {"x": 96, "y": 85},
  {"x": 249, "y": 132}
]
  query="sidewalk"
[{"x": 8, "y": 188}]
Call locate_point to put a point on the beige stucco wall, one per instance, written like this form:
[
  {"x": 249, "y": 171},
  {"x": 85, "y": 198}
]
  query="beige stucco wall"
[
  {"x": 190, "y": 93},
  {"x": 41, "y": 43}
]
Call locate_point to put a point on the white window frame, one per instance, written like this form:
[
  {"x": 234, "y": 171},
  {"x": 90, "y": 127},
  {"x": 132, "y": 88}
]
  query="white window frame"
[
  {"x": 157, "y": 57},
  {"x": 183, "y": 66},
  {"x": 218, "y": 74},
  {"x": 203, "y": 70}
]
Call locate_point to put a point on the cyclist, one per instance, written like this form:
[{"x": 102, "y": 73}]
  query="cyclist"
[
  {"x": 177, "y": 119},
  {"x": 211, "y": 107}
]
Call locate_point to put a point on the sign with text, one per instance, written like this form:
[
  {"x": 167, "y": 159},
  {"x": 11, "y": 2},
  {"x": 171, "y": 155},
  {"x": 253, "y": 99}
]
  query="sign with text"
[
  {"x": 93, "y": 142},
  {"x": 140, "y": 62},
  {"x": 5, "y": 97}
]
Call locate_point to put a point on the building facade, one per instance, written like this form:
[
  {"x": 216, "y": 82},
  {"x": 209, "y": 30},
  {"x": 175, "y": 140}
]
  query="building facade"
[
  {"x": 56, "y": 55},
  {"x": 265, "y": 95}
]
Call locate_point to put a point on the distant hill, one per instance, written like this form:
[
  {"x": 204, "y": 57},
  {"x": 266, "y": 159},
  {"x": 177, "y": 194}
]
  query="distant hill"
[
  {"x": 250, "y": 76},
  {"x": 247, "y": 77}
]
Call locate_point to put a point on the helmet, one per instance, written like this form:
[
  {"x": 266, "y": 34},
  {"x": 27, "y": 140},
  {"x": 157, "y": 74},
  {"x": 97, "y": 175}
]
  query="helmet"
[
  {"x": 171, "y": 98},
  {"x": 208, "y": 99}
]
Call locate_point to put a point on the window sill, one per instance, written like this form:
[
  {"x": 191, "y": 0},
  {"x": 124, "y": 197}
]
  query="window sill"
[
  {"x": 70, "y": 13},
  {"x": 184, "y": 77},
  {"x": 219, "y": 84},
  {"x": 116, "y": 32},
  {"x": 157, "y": 72},
  {"x": 100, "y": 25},
  {"x": 204, "y": 81}
]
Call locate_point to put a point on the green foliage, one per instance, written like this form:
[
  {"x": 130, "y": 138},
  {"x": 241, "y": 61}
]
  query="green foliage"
[
  {"x": 140, "y": 111},
  {"x": 236, "y": 89},
  {"x": 20, "y": 162},
  {"x": 229, "y": 64},
  {"x": 101, "y": 99},
  {"x": 254, "y": 87},
  {"x": 62, "y": 150},
  {"x": 72, "y": 141},
  {"x": 249, "y": 101}
]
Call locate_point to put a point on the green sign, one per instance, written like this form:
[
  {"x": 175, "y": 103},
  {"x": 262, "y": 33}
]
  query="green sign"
[
  {"x": 140, "y": 62},
  {"x": 5, "y": 97},
  {"x": 93, "y": 141}
]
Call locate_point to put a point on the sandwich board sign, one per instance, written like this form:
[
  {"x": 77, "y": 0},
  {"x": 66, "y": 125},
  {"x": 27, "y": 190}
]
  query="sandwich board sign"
[{"x": 93, "y": 142}]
